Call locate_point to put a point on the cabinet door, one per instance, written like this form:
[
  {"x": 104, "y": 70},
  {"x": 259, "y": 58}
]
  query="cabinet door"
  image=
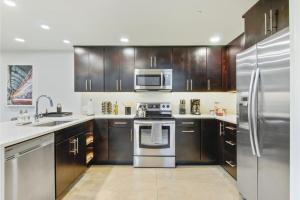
[
  {"x": 96, "y": 70},
  {"x": 81, "y": 71},
  {"x": 100, "y": 141},
  {"x": 188, "y": 144},
  {"x": 112, "y": 65},
  {"x": 214, "y": 68},
  {"x": 281, "y": 14},
  {"x": 257, "y": 27},
  {"x": 120, "y": 144},
  {"x": 162, "y": 58},
  {"x": 180, "y": 63},
  {"x": 143, "y": 57},
  {"x": 64, "y": 165},
  {"x": 209, "y": 133},
  {"x": 197, "y": 69},
  {"x": 126, "y": 83},
  {"x": 80, "y": 159}
]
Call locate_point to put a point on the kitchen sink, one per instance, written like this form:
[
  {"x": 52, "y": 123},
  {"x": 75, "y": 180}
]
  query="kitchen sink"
[{"x": 51, "y": 123}]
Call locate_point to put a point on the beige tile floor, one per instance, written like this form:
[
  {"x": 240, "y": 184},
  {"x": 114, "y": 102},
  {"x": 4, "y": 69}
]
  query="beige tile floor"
[{"x": 128, "y": 183}]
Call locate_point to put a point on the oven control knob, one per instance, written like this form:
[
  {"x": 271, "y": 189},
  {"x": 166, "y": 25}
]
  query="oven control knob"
[
  {"x": 163, "y": 106},
  {"x": 168, "y": 106}
]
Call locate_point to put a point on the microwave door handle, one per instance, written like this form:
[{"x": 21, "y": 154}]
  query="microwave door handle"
[{"x": 161, "y": 80}]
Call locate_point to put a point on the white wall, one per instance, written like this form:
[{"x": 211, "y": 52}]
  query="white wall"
[
  {"x": 53, "y": 75},
  {"x": 295, "y": 99},
  {"x": 207, "y": 100}
]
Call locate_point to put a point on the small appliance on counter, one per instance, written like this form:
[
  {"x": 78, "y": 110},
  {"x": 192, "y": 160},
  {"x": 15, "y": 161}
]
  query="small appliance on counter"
[
  {"x": 90, "y": 108},
  {"x": 182, "y": 109},
  {"x": 195, "y": 106},
  {"x": 127, "y": 110}
]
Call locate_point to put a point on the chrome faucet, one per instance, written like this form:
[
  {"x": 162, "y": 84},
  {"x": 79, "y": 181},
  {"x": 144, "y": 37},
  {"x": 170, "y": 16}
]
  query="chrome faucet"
[{"x": 37, "y": 116}]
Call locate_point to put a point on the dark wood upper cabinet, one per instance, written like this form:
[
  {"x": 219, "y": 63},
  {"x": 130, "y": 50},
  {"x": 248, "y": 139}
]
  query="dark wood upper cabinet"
[
  {"x": 180, "y": 63},
  {"x": 214, "y": 68},
  {"x": 89, "y": 69},
  {"x": 265, "y": 18},
  {"x": 153, "y": 57},
  {"x": 280, "y": 14},
  {"x": 119, "y": 69},
  {"x": 196, "y": 69},
  {"x": 230, "y": 51}
]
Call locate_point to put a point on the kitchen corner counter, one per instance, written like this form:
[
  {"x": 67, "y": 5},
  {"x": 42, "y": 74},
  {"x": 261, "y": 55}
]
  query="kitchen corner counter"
[
  {"x": 111, "y": 116},
  {"x": 11, "y": 134},
  {"x": 227, "y": 118}
]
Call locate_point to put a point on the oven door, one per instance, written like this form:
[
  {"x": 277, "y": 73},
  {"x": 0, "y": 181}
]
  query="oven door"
[
  {"x": 146, "y": 145},
  {"x": 153, "y": 79}
]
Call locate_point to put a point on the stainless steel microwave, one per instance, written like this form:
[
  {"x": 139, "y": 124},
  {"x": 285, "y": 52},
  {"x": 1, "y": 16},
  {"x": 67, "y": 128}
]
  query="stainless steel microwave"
[{"x": 153, "y": 79}]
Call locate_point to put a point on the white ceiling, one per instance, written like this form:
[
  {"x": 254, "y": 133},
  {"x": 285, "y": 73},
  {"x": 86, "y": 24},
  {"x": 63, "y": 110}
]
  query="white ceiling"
[{"x": 104, "y": 22}]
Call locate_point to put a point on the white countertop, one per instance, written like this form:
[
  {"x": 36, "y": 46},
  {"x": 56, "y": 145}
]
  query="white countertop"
[{"x": 11, "y": 134}]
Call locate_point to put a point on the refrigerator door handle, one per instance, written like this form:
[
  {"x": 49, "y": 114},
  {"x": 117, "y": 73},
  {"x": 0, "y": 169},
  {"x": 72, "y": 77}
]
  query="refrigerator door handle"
[
  {"x": 254, "y": 111},
  {"x": 249, "y": 112}
]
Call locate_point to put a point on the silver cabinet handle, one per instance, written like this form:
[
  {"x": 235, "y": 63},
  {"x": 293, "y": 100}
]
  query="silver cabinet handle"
[
  {"x": 120, "y": 85},
  {"x": 86, "y": 85},
  {"x": 151, "y": 62},
  {"x": 230, "y": 163},
  {"x": 249, "y": 112},
  {"x": 191, "y": 84},
  {"x": 120, "y": 123},
  {"x": 155, "y": 62},
  {"x": 187, "y": 85},
  {"x": 221, "y": 129},
  {"x": 192, "y": 131},
  {"x": 90, "y": 85},
  {"x": 117, "y": 85},
  {"x": 254, "y": 111},
  {"x": 271, "y": 21},
  {"x": 77, "y": 145},
  {"x": 266, "y": 32},
  {"x": 230, "y": 143},
  {"x": 230, "y": 128},
  {"x": 190, "y": 123},
  {"x": 208, "y": 84},
  {"x": 131, "y": 135},
  {"x": 73, "y": 151}
]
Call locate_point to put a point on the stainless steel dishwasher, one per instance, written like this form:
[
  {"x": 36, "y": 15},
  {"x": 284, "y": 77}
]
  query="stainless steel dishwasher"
[{"x": 29, "y": 170}]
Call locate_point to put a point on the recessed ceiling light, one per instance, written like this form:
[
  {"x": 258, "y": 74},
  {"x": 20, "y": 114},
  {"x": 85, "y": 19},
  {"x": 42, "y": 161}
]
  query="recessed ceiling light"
[
  {"x": 9, "y": 3},
  {"x": 66, "y": 41},
  {"x": 124, "y": 40},
  {"x": 19, "y": 40},
  {"x": 215, "y": 39},
  {"x": 45, "y": 27}
]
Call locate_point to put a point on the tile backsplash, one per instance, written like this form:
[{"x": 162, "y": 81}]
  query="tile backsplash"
[{"x": 226, "y": 99}]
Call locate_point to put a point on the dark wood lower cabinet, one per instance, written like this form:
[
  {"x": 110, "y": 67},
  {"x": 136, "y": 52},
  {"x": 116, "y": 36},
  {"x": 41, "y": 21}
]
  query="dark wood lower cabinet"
[
  {"x": 100, "y": 141},
  {"x": 121, "y": 143},
  {"x": 70, "y": 157},
  {"x": 188, "y": 144},
  {"x": 209, "y": 144}
]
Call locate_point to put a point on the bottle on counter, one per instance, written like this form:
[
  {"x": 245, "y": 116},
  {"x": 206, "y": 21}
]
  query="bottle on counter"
[
  {"x": 59, "y": 108},
  {"x": 116, "y": 108}
]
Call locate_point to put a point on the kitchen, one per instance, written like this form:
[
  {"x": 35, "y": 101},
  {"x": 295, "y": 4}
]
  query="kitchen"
[{"x": 140, "y": 103}]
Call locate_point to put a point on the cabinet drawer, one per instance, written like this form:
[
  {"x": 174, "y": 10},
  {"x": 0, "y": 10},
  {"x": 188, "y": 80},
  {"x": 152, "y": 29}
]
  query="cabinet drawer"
[
  {"x": 66, "y": 133},
  {"x": 230, "y": 165},
  {"x": 230, "y": 147},
  {"x": 188, "y": 122},
  {"x": 120, "y": 123}
]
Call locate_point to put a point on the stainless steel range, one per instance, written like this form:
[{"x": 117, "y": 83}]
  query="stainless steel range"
[{"x": 154, "y": 136}]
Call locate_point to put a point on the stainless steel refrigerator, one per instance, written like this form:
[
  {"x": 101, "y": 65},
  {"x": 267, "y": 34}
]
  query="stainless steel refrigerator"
[{"x": 263, "y": 89}]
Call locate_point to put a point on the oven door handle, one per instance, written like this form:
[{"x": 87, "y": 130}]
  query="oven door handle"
[{"x": 161, "y": 80}]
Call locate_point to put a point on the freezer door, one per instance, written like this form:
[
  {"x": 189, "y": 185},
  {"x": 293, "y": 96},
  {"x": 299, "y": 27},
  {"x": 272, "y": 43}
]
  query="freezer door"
[
  {"x": 273, "y": 117},
  {"x": 246, "y": 158}
]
